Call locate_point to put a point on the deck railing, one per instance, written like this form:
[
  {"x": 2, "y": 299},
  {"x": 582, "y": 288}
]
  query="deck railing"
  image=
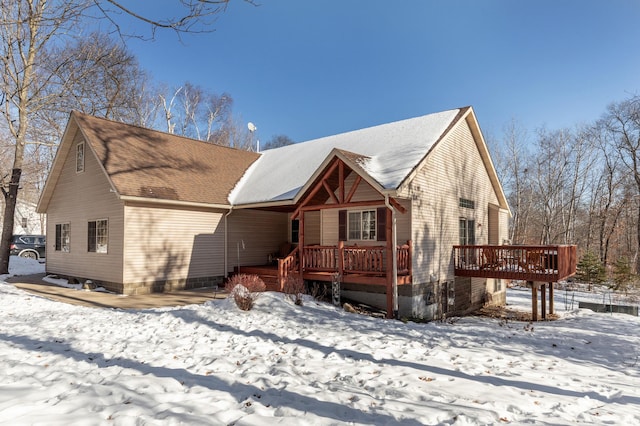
[
  {"x": 320, "y": 258},
  {"x": 549, "y": 263},
  {"x": 365, "y": 260},
  {"x": 287, "y": 266}
]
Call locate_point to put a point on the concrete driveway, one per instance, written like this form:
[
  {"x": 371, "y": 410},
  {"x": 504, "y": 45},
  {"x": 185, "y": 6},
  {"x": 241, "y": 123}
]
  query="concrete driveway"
[{"x": 34, "y": 284}]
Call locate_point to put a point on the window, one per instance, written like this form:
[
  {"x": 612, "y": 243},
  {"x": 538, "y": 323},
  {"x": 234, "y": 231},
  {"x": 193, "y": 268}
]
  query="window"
[
  {"x": 62, "y": 237},
  {"x": 80, "y": 157},
  {"x": 362, "y": 225},
  {"x": 295, "y": 231},
  {"x": 467, "y": 231},
  {"x": 24, "y": 222},
  {"x": 469, "y": 204},
  {"x": 98, "y": 236}
]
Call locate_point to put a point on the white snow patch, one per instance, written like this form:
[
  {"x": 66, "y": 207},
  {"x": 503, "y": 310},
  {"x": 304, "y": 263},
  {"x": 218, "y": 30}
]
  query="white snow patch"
[{"x": 309, "y": 365}]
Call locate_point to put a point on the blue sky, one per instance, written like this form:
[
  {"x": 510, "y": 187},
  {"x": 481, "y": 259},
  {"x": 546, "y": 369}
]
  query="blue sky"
[{"x": 309, "y": 69}]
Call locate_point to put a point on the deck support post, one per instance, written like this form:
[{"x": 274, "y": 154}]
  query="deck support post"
[
  {"x": 543, "y": 300},
  {"x": 389, "y": 267},
  {"x": 301, "y": 244},
  {"x": 550, "y": 298},
  {"x": 534, "y": 300}
]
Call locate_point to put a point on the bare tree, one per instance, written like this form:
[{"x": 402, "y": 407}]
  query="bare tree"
[
  {"x": 29, "y": 31},
  {"x": 194, "y": 16},
  {"x": 514, "y": 167},
  {"x": 623, "y": 122},
  {"x": 195, "y": 112},
  {"x": 278, "y": 141}
]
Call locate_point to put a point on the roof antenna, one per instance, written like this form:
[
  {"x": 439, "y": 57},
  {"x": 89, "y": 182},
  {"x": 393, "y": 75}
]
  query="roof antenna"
[{"x": 252, "y": 128}]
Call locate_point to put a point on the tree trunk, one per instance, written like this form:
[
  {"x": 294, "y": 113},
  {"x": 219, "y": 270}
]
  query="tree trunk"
[
  {"x": 10, "y": 198},
  {"x": 638, "y": 241}
]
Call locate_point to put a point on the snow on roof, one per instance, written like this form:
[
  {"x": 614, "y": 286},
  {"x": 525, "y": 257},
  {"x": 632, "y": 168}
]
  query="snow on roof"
[{"x": 394, "y": 150}]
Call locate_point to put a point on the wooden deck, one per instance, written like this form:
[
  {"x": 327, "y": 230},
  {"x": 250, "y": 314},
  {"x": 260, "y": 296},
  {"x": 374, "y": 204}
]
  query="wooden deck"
[
  {"x": 540, "y": 266},
  {"x": 354, "y": 264},
  {"x": 549, "y": 263}
]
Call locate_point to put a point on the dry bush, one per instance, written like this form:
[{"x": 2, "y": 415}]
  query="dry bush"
[
  {"x": 294, "y": 288},
  {"x": 245, "y": 289}
]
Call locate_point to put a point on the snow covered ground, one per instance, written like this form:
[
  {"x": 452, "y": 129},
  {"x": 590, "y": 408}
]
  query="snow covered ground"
[{"x": 310, "y": 365}]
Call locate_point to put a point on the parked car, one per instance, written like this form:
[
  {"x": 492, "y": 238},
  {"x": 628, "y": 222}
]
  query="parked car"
[{"x": 30, "y": 246}]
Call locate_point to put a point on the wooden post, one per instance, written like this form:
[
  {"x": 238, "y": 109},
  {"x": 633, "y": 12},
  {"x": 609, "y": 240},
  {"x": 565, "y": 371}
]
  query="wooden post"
[
  {"x": 534, "y": 301},
  {"x": 301, "y": 244},
  {"x": 410, "y": 261},
  {"x": 543, "y": 300},
  {"x": 390, "y": 254},
  {"x": 550, "y": 298},
  {"x": 340, "y": 257}
]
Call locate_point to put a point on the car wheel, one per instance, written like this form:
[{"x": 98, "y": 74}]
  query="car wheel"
[{"x": 29, "y": 255}]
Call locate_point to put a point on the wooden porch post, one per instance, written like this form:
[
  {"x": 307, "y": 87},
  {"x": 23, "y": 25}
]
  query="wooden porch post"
[
  {"x": 301, "y": 244},
  {"x": 543, "y": 300},
  {"x": 550, "y": 298},
  {"x": 534, "y": 301},
  {"x": 341, "y": 258},
  {"x": 390, "y": 254}
]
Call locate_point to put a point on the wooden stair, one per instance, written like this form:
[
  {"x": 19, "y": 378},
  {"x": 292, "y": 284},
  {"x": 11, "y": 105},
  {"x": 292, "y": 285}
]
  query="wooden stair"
[{"x": 268, "y": 274}]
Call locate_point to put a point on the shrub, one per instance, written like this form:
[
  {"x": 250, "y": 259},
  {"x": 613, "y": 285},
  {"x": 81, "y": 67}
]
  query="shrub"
[
  {"x": 294, "y": 288},
  {"x": 623, "y": 276},
  {"x": 590, "y": 269},
  {"x": 245, "y": 289}
]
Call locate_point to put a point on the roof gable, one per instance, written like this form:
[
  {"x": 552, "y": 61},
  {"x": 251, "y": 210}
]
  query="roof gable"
[
  {"x": 149, "y": 164},
  {"x": 393, "y": 151}
]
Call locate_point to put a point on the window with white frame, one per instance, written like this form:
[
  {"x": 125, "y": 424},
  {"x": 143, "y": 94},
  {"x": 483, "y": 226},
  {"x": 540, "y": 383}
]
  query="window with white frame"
[
  {"x": 80, "y": 157},
  {"x": 468, "y": 204},
  {"x": 63, "y": 232},
  {"x": 467, "y": 231},
  {"x": 362, "y": 225},
  {"x": 98, "y": 236}
]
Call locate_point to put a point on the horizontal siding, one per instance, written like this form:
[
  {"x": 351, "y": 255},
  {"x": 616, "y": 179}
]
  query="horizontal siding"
[
  {"x": 330, "y": 226},
  {"x": 504, "y": 226},
  {"x": 262, "y": 233},
  {"x": 170, "y": 243},
  {"x": 365, "y": 192},
  {"x": 453, "y": 170},
  {"x": 403, "y": 222},
  {"x": 312, "y": 228},
  {"x": 77, "y": 199}
]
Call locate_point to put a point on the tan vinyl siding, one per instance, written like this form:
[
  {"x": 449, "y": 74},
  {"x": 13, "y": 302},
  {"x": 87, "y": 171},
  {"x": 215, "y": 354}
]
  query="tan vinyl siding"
[
  {"x": 494, "y": 225},
  {"x": 403, "y": 222},
  {"x": 168, "y": 243},
  {"x": 365, "y": 192},
  {"x": 79, "y": 198},
  {"x": 262, "y": 232},
  {"x": 312, "y": 228},
  {"x": 504, "y": 226},
  {"x": 452, "y": 171},
  {"x": 329, "y": 227}
]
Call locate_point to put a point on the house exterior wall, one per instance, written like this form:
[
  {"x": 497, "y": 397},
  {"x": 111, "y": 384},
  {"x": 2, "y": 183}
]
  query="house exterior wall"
[
  {"x": 262, "y": 232},
  {"x": 77, "y": 199},
  {"x": 312, "y": 228},
  {"x": 329, "y": 217},
  {"x": 168, "y": 248},
  {"x": 453, "y": 170}
]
